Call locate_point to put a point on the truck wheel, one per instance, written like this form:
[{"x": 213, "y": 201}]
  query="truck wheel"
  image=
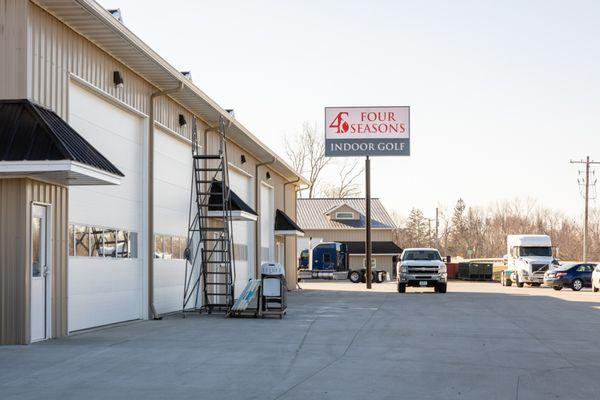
[
  {"x": 441, "y": 287},
  {"x": 508, "y": 282},
  {"x": 594, "y": 288},
  {"x": 519, "y": 283},
  {"x": 577, "y": 285},
  {"x": 354, "y": 276},
  {"x": 401, "y": 287},
  {"x": 557, "y": 287}
]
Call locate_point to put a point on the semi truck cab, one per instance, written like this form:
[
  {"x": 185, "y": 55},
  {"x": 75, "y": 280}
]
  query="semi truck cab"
[{"x": 528, "y": 259}]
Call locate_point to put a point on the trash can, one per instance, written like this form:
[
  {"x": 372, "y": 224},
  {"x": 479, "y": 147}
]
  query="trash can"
[{"x": 274, "y": 290}]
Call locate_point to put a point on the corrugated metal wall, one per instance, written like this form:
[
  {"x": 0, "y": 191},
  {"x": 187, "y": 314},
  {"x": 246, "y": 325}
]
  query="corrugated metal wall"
[
  {"x": 55, "y": 51},
  {"x": 13, "y": 45},
  {"x": 16, "y": 197},
  {"x": 13, "y": 252},
  {"x": 349, "y": 235}
]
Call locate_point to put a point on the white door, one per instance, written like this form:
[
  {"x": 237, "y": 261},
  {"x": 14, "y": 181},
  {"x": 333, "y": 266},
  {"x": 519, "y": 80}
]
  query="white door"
[
  {"x": 267, "y": 223},
  {"x": 243, "y": 231},
  {"x": 40, "y": 288}
]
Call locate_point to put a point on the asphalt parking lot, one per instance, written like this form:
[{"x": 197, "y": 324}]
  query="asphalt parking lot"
[{"x": 478, "y": 341}]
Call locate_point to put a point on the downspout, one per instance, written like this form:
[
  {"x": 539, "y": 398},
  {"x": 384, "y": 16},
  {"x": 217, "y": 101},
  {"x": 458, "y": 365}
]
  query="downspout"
[
  {"x": 285, "y": 238},
  {"x": 257, "y": 209},
  {"x": 152, "y": 314}
]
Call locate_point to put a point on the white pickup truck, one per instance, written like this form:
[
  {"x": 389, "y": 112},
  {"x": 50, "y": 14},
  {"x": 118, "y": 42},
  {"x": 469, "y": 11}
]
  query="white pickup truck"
[
  {"x": 528, "y": 259},
  {"x": 421, "y": 267}
]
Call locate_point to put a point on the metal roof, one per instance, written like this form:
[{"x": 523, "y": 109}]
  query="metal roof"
[
  {"x": 376, "y": 247},
  {"x": 311, "y": 214},
  {"x": 92, "y": 21},
  {"x": 284, "y": 223},
  {"x": 30, "y": 132}
]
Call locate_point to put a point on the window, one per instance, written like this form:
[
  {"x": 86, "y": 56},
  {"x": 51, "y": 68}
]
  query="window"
[
  {"x": 326, "y": 258},
  {"x": 344, "y": 215},
  {"x": 71, "y": 240},
  {"x": 240, "y": 251},
  {"x": 36, "y": 244},
  {"x": 168, "y": 249},
  {"x": 86, "y": 241},
  {"x": 82, "y": 241},
  {"x": 177, "y": 248},
  {"x": 421, "y": 255},
  {"x": 373, "y": 263},
  {"x": 122, "y": 244},
  {"x": 158, "y": 246},
  {"x": 133, "y": 245},
  {"x": 96, "y": 236},
  {"x": 109, "y": 244}
]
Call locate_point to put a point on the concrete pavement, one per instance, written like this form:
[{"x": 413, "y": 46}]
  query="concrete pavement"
[{"x": 479, "y": 341}]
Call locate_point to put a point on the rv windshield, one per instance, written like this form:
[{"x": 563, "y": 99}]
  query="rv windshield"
[
  {"x": 421, "y": 255},
  {"x": 535, "y": 251}
]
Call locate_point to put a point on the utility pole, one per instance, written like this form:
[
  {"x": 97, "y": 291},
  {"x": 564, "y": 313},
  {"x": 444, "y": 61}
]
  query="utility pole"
[
  {"x": 437, "y": 226},
  {"x": 586, "y": 197},
  {"x": 368, "y": 221}
]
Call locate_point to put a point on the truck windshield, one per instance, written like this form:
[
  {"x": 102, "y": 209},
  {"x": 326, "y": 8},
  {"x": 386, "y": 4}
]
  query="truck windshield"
[
  {"x": 421, "y": 255},
  {"x": 535, "y": 251}
]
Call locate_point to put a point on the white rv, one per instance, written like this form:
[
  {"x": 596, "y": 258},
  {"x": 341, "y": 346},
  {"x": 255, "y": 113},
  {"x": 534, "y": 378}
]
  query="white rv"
[{"x": 528, "y": 258}]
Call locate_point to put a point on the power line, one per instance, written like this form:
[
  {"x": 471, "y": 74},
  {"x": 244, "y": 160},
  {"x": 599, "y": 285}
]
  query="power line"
[{"x": 584, "y": 183}]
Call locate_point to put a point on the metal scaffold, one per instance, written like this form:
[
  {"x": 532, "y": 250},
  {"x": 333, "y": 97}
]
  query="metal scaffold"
[{"x": 210, "y": 269}]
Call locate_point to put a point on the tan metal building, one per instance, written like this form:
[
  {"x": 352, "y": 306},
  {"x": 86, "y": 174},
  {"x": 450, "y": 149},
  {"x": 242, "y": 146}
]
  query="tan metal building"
[
  {"x": 74, "y": 59},
  {"x": 343, "y": 221}
]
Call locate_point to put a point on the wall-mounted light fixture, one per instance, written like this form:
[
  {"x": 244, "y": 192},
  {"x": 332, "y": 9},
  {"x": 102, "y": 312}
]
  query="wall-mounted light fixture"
[
  {"x": 118, "y": 79},
  {"x": 243, "y": 159},
  {"x": 182, "y": 121},
  {"x": 268, "y": 175},
  {"x": 231, "y": 112}
]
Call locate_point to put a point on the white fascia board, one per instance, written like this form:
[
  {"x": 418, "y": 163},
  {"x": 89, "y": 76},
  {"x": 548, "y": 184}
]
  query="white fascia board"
[
  {"x": 65, "y": 166},
  {"x": 289, "y": 233},
  {"x": 235, "y": 215}
]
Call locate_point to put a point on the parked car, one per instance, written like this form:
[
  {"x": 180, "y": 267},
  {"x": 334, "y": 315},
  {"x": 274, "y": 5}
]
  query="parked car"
[
  {"x": 596, "y": 279},
  {"x": 422, "y": 267},
  {"x": 573, "y": 275}
]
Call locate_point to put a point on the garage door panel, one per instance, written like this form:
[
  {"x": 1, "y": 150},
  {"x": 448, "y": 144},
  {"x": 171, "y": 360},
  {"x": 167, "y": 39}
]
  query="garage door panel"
[
  {"x": 172, "y": 183},
  {"x": 243, "y": 233},
  {"x": 107, "y": 290}
]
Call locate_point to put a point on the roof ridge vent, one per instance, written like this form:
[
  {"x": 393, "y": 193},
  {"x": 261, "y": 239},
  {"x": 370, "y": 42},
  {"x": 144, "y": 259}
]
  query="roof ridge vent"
[{"x": 116, "y": 12}]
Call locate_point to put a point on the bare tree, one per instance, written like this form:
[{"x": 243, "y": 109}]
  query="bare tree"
[
  {"x": 306, "y": 152},
  {"x": 347, "y": 185}
]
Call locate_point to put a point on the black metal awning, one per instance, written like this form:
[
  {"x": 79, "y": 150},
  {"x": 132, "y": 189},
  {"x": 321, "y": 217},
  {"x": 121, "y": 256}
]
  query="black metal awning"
[
  {"x": 285, "y": 226},
  {"x": 34, "y": 140},
  {"x": 240, "y": 210},
  {"x": 377, "y": 248}
]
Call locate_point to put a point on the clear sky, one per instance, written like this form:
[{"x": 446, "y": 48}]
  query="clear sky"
[{"x": 502, "y": 93}]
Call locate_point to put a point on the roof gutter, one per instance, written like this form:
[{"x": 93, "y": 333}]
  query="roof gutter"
[
  {"x": 152, "y": 314},
  {"x": 257, "y": 182}
]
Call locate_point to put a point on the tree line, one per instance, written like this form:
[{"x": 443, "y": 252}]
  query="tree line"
[{"x": 480, "y": 232}]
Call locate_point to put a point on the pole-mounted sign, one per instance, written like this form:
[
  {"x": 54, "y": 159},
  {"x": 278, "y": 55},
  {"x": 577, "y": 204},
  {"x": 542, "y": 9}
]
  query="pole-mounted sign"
[{"x": 367, "y": 131}]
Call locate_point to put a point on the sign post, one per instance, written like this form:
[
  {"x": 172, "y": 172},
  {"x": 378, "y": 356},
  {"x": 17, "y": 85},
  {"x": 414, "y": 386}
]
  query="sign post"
[
  {"x": 367, "y": 131},
  {"x": 368, "y": 247}
]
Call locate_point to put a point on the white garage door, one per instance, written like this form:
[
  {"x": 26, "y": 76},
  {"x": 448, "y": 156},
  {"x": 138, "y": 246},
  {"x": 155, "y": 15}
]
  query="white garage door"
[
  {"x": 104, "y": 289},
  {"x": 267, "y": 223},
  {"x": 172, "y": 178},
  {"x": 243, "y": 233}
]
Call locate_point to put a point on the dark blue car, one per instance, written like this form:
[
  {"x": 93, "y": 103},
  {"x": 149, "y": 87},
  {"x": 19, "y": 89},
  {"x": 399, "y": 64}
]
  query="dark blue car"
[{"x": 575, "y": 276}]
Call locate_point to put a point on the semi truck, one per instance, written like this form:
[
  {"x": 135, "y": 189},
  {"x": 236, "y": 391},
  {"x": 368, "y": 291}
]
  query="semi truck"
[
  {"x": 330, "y": 260},
  {"x": 528, "y": 258}
]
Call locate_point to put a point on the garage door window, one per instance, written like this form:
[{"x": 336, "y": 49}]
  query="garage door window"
[
  {"x": 93, "y": 241},
  {"x": 168, "y": 247}
]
